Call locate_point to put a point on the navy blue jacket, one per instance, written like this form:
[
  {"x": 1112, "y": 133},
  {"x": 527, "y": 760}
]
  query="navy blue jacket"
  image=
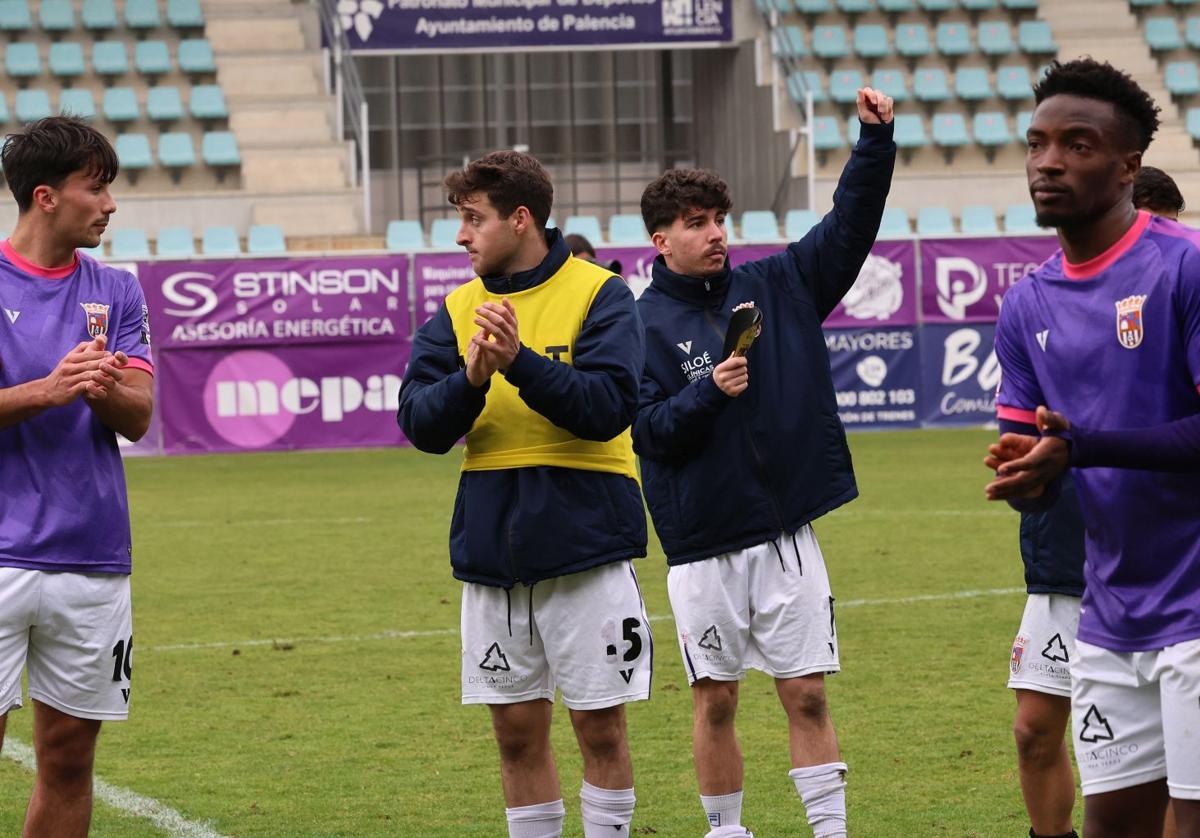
[
  {"x": 722, "y": 474},
  {"x": 529, "y": 524}
]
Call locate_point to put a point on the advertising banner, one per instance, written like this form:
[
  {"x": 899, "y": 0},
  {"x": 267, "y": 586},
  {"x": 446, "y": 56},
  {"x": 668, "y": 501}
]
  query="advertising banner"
[
  {"x": 442, "y": 25},
  {"x": 959, "y": 374},
  {"x": 964, "y": 279},
  {"x": 876, "y": 376}
]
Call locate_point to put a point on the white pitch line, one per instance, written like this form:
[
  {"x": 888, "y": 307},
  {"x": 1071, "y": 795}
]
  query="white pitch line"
[
  {"x": 400, "y": 635},
  {"x": 130, "y": 802}
]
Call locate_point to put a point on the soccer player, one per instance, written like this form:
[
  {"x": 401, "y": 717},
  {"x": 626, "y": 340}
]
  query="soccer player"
[
  {"x": 65, "y": 547},
  {"x": 536, "y": 362},
  {"x": 736, "y": 467},
  {"x": 1108, "y": 332},
  {"x": 1155, "y": 191}
]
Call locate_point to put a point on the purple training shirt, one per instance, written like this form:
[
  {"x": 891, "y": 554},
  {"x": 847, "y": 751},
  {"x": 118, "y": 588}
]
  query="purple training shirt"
[
  {"x": 1114, "y": 343},
  {"x": 63, "y": 505}
]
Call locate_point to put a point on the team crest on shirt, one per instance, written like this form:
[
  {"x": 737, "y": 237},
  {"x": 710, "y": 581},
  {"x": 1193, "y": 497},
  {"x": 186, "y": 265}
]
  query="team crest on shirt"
[
  {"x": 1129, "y": 321},
  {"x": 1018, "y": 652},
  {"x": 97, "y": 318}
]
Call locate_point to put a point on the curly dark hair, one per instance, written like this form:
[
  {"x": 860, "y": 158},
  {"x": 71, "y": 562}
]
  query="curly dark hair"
[
  {"x": 510, "y": 179},
  {"x": 676, "y": 191},
  {"x": 47, "y": 152},
  {"x": 1155, "y": 190},
  {"x": 1093, "y": 79}
]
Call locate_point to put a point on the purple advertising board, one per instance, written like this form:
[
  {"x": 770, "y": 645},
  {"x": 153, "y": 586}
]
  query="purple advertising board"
[
  {"x": 393, "y": 26},
  {"x": 258, "y": 354},
  {"x": 959, "y": 374},
  {"x": 964, "y": 279},
  {"x": 876, "y": 376}
]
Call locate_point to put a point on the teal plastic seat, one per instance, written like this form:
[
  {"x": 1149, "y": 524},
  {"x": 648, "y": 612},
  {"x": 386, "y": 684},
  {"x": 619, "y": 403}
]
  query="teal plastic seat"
[
  {"x": 972, "y": 84},
  {"x": 760, "y": 226},
  {"x": 220, "y": 241},
  {"x": 909, "y": 131},
  {"x": 196, "y": 57},
  {"x": 121, "y": 105},
  {"x": 220, "y": 149},
  {"x": 175, "y": 243},
  {"x": 991, "y": 129},
  {"x": 15, "y": 16},
  {"x": 912, "y": 40},
  {"x": 895, "y": 222},
  {"x": 891, "y": 82},
  {"x": 1162, "y": 34},
  {"x": 208, "y": 102},
  {"x": 935, "y": 221},
  {"x": 954, "y": 39},
  {"x": 1193, "y": 123},
  {"x": 1182, "y": 78},
  {"x": 444, "y": 231},
  {"x": 814, "y": 81},
  {"x": 56, "y": 16},
  {"x": 110, "y": 59},
  {"x": 936, "y": 6},
  {"x": 22, "y": 61},
  {"x": 66, "y": 60},
  {"x": 404, "y": 235},
  {"x": 1020, "y": 218},
  {"x": 1146, "y": 4},
  {"x": 950, "y": 130},
  {"x": 77, "y": 101},
  {"x": 133, "y": 152},
  {"x": 1020, "y": 5},
  {"x": 813, "y": 7},
  {"x": 854, "y": 7},
  {"x": 1013, "y": 83},
  {"x": 266, "y": 240},
  {"x": 853, "y": 129},
  {"x": 31, "y": 105},
  {"x": 844, "y": 86},
  {"x": 1035, "y": 38},
  {"x": 152, "y": 58},
  {"x": 896, "y": 7},
  {"x": 870, "y": 41},
  {"x": 1024, "y": 119},
  {"x": 627, "y": 228},
  {"x": 977, "y": 5},
  {"x": 829, "y": 42},
  {"x": 1191, "y": 32},
  {"x": 98, "y": 15},
  {"x": 587, "y": 226},
  {"x": 978, "y": 219},
  {"x": 142, "y": 15},
  {"x": 164, "y": 104},
  {"x": 129, "y": 243},
  {"x": 930, "y": 85},
  {"x": 3, "y": 113},
  {"x": 175, "y": 150},
  {"x": 995, "y": 38},
  {"x": 797, "y": 222},
  {"x": 185, "y": 14},
  {"x": 827, "y": 134},
  {"x": 789, "y": 42}
]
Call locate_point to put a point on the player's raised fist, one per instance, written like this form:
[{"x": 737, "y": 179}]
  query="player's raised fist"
[{"x": 874, "y": 106}]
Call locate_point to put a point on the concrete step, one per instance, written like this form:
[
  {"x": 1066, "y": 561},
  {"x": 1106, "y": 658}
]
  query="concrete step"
[
  {"x": 273, "y": 77},
  {"x": 255, "y": 35},
  {"x": 292, "y": 123},
  {"x": 285, "y": 170},
  {"x": 327, "y": 214}
]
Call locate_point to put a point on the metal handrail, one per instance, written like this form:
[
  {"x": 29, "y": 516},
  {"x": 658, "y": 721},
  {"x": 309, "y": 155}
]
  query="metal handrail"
[{"x": 347, "y": 89}]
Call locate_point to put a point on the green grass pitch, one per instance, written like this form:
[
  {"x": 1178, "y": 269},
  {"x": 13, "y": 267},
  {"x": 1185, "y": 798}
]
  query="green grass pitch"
[{"x": 296, "y": 657}]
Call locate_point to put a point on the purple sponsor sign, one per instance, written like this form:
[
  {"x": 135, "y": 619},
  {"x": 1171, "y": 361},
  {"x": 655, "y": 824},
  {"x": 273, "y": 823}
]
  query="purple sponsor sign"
[
  {"x": 376, "y": 25},
  {"x": 959, "y": 374},
  {"x": 964, "y": 279},
  {"x": 436, "y": 275},
  {"x": 876, "y": 376}
]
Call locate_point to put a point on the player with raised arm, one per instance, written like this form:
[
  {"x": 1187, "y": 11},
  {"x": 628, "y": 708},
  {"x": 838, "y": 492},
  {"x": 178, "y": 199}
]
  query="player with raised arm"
[{"x": 75, "y": 370}]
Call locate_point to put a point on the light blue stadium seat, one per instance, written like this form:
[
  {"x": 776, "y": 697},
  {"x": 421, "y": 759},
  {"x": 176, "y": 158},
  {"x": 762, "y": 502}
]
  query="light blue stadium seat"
[
  {"x": 759, "y": 226},
  {"x": 152, "y": 58},
  {"x": 1193, "y": 123},
  {"x": 129, "y": 243},
  {"x": 78, "y": 102},
  {"x": 891, "y": 82},
  {"x": 912, "y": 40},
  {"x": 1182, "y": 78},
  {"x": 853, "y": 129},
  {"x": 813, "y": 7},
  {"x": 854, "y": 7},
  {"x": 3, "y": 113},
  {"x": 1035, "y": 38},
  {"x": 1014, "y": 84},
  {"x": 936, "y": 6},
  {"x": 96, "y": 252},
  {"x": 98, "y": 15},
  {"x": 66, "y": 60},
  {"x": 31, "y": 105},
  {"x": 266, "y": 240},
  {"x": 15, "y": 16},
  {"x": 797, "y": 222},
  {"x": 1146, "y": 4},
  {"x": 587, "y": 226},
  {"x": 930, "y": 85},
  {"x": 895, "y": 7},
  {"x": 444, "y": 231},
  {"x": 870, "y": 41},
  {"x": 977, "y": 5},
  {"x": 895, "y": 222},
  {"x": 551, "y": 224},
  {"x": 220, "y": 149},
  {"x": 1191, "y": 32},
  {"x": 991, "y": 129},
  {"x": 142, "y": 14},
  {"x": 405, "y": 235},
  {"x": 1183, "y": 2},
  {"x": 164, "y": 104},
  {"x": 208, "y": 102},
  {"x": 1024, "y": 118},
  {"x": 995, "y": 38},
  {"x": 175, "y": 150},
  {"x": 813, "y": 80},
  {"x": 220, "y": 241},
  {"x": 935, "y": 221},
  {"x": 627, "y": 228},
  {"x": 22, "y": 61},
  {"x": 950, "y": 130},
  {"x": 133, "y": 152},
  {"x": 978, "y": 219},
  {"x": 175, "y": 243},
  {"x": 1162, "y": 34},
  {"x": 972, "y": 84},
  {"x": 954, "y": 39},
  {"x": 110, "y": 59},
  {"x": 829, "y": 42},
  {"x": 1020, "y": 5},
  {"x": 844, "y": 86},
  {"x": 196, "y": 56},
  {"x": 185, "y": 14},
  {"x": 56, "y": 16},
  {"x": 789, "y": 41},
  {"x": 827, "y": 134},
  {"x": 910, "y": 131},
  {"x": 121, "y": 105},
  {"x": 1020, "y": 218}
]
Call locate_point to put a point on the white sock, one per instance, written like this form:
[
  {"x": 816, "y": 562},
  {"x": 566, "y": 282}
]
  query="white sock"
[
  {"x": 606, "y": 812},
  {"x": 723, "y": 809},
  {"x": 735, "y": 831},
  {"x": 822, "y": 790},
  {"x": 541, "y": 820}
]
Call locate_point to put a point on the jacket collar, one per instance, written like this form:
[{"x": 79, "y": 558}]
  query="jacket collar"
[
  {"x": 708, "y": 292},
  {"x": 524, "y": 280}
]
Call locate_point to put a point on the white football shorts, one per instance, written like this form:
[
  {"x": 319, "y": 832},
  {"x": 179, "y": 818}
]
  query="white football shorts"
[{"x": 1044, "y": 645}]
